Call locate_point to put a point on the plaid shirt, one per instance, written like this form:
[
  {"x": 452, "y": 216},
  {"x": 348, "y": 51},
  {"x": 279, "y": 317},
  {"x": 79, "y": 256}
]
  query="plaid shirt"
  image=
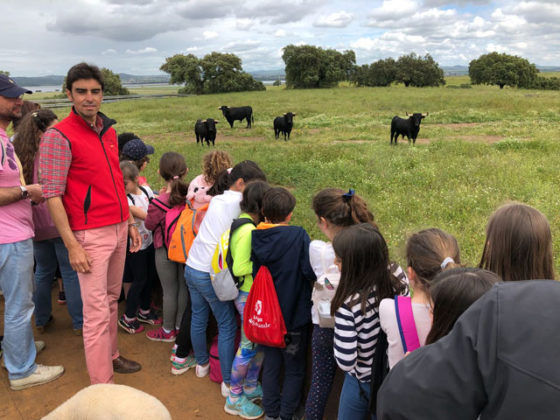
[{"x": 55, "y": 160}]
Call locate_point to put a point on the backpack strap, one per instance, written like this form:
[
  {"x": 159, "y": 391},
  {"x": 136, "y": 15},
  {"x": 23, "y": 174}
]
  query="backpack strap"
[
  {"x": 379, "y": 369},
  {"x": 237, "y": 223},
  {"x": 405, "y": 321},
  {"x": 131, "y": 199},
  {"x": 145, "y": 191},
  {"x": 161, "y": 205}
]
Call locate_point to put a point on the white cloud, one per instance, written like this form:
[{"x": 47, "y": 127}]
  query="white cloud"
[
  {"x": 280, "y": 33},
  {"x": 243, "y": 23},
  {"x": 109, "y": 51},
  {"x": 147, "y": 50},
  {"x": 209, "y": 35},
  {"x": 335, "y": 20}
]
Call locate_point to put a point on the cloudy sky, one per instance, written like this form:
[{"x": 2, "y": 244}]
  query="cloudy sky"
[{"x": 44, "y": 37}]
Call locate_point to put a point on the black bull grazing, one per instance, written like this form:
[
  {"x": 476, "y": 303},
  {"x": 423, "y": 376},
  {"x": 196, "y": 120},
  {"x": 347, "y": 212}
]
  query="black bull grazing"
[
  {"x": 284, "y": 125},
  {"x": 240, "y": 113},
  {"x": 408, "y": 127},
  {"x": 205, "y": 130}
]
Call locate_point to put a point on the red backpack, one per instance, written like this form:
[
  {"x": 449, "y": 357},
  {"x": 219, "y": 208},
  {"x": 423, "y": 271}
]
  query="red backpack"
[{"x": 263, "y": 322}]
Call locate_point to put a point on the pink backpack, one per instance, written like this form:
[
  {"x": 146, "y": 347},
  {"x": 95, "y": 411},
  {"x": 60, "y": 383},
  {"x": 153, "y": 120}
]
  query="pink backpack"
[
  {"x": 407, "y": 326},
  {"x": 215, "y": 368},
  {"x": 171, "y": 216}
]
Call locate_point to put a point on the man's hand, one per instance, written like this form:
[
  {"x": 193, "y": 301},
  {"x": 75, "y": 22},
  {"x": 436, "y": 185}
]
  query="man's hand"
[
  {"x": 35, "y": 193},
  {"x": 79, "y": 259},
  {"x": 135, "y": 237}
]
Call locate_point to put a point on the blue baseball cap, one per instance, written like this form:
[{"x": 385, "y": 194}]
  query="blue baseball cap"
[
  {"x": 136, "y": 149},
  {"x": 9, "y": 88}
]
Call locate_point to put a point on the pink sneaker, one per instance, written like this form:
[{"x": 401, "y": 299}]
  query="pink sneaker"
[{"x": 160, "y": 335}]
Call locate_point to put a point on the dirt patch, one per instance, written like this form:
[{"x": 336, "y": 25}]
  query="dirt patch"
[
  {"x": 190, "y": 137},
  {"x": 456, "y": 126},
  {"x": 483, "y": 139}
]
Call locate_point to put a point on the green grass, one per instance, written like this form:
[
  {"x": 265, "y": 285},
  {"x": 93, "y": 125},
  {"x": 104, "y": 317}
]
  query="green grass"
[{"x": 477, "y": 149}]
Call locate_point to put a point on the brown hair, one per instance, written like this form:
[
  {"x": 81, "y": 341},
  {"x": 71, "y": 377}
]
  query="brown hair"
[
  {"x": 452, "y": 293},
  {"x": 518, "y": 244},
  {"x": 341, "y": 208},
  {"x": 215, "y": 162},
  {"x": 364, "y": 255},
  {"x": 277, "y": 204},
  {"x": 26, "y": 108},
  {"x": 129, "y": 170},
  {"x": 427, "y": 250},
  {"x": 253, "y": 196},
  {"x": 28, "y": 137},
  {"x": 172, "y": 167}
]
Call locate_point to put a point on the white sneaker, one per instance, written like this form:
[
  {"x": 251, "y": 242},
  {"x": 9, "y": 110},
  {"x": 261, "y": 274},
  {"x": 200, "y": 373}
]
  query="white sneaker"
[
  {"x": 202, "y": 371},
  {"x": 42, "y": 375},
  {"x": 225, "y": 390},
  {"x": 39, "y": 347}
]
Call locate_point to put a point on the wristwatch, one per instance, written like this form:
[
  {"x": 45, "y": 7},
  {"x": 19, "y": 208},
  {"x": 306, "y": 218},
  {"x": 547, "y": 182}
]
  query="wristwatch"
[{"x": 24, "y": 193}]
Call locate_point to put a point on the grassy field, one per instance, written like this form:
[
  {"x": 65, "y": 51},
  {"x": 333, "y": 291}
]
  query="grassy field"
[{"x": 477, "y": 149}]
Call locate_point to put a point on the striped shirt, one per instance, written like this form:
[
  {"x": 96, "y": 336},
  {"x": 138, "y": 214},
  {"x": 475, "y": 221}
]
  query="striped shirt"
[{"x": 355, "y": 333}]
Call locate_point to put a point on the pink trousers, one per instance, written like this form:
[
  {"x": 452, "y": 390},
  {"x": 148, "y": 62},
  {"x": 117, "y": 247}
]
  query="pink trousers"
[{"x": 100, "y": 289}]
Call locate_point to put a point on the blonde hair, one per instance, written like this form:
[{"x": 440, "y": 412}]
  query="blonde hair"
[{"x": 213, "y": 163}]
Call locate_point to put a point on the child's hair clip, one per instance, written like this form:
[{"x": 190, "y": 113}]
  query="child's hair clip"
[{"x": 347, "y": 196}]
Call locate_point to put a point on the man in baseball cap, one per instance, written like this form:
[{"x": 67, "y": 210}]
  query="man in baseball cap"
[{"x": 16, "y": 254}]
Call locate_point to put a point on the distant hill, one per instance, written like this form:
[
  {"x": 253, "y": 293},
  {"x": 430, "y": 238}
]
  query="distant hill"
[
  {"x": 58, "y": 80},
  {"x": 268, "y": 74}
]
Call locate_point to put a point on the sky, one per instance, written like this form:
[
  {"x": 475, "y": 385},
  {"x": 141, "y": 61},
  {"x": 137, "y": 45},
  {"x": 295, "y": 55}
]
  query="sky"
[{"x": 45, "y": 37}]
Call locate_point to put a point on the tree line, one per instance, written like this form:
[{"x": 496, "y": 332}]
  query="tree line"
[{"x": 308, "y": 67}]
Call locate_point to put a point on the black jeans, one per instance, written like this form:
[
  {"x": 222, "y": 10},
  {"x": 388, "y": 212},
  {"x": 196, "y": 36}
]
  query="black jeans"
[
  {"x": 183, "y": 339},
  {"x": 136, "y": 271},
  {"x": 282, "y": 399}
]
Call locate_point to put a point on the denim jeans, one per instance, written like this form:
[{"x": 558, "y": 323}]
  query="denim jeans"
[
  {"x": 203, "y": 298},
  {"x": 16, "y": 282},
  {"x": 47, "y": 254},
  {"x": 354, "y": 400}
]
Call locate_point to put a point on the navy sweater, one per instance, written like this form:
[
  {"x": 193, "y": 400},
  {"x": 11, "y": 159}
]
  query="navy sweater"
[{"x": 285, "y": 251}]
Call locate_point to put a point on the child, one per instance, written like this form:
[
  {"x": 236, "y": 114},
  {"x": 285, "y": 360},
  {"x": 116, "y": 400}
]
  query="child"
[
  {"x": 285, "y": 251},
  {"x": 335, "y": 210},
  {"x": 221, "y": 212},
  {"x": 213, "y": 164},
  {"x": 136, "y": 264},
  {"x": 137, "y": 151},
  {"x": 246, "y": 367},
  {"x": 518, "y": 244},
  {"x": 363, "y": 260},
  {"x": 452, "y": 293},
  {"x": 172, "y": 168},
  {"x": 428, "y": 253}
]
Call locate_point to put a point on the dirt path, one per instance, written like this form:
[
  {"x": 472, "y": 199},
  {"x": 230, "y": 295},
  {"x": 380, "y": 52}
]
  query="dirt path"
[{"x": 185, "y": 396}]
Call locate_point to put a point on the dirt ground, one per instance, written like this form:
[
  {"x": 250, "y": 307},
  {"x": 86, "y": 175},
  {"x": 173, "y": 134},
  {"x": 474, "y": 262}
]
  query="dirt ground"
[{"x": 185, "y": 396}]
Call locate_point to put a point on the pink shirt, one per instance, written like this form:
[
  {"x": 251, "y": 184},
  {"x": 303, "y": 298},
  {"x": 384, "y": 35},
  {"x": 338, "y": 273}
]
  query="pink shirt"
[
  {"x": 16, "y": 223},
  {"x": 198, "y": 189}
]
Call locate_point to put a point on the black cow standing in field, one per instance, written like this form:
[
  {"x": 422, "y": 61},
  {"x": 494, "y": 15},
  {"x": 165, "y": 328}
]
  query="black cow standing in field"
[
  {"x": 205, "y": 130},
  {"x": 408, "y": 127},
  {"x": 240, "y": 113},
  {"x": 284, "y": 125}
]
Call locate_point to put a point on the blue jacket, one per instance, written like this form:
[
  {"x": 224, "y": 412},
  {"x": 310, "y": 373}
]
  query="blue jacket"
[{"x": 285, "y": 251}]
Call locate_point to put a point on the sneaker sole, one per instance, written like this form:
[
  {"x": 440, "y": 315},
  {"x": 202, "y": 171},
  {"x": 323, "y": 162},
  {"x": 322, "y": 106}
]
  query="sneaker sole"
[
  {"x": 130, "y": 330},
  {"x": 237, "y": 413},
  {"x": 20, "y": 387},
  {"x": 148, "y": 321},
  {"x": 165, "y": 340},
  {"x": 180, "y": 371}
]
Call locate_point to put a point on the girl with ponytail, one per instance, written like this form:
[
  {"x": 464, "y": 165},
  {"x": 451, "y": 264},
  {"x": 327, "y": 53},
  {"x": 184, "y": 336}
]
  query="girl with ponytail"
[
  {"x": 428, "y": 253},
  {"x": 336, "y": 210},
  {"x": 172, "y": 168}
]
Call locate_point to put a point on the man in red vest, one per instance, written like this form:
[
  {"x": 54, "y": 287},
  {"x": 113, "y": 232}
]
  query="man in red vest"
[{"x": 84, "y": 188}]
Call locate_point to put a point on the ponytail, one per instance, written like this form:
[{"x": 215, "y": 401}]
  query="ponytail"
[
  {"x": 172, "y": 168},
  {"x": 342, "y": 208}
]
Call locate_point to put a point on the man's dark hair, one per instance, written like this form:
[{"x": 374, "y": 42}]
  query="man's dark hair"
[
  {"x": 277, "y": 204},
  {"x": 83, "y": 71}
]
